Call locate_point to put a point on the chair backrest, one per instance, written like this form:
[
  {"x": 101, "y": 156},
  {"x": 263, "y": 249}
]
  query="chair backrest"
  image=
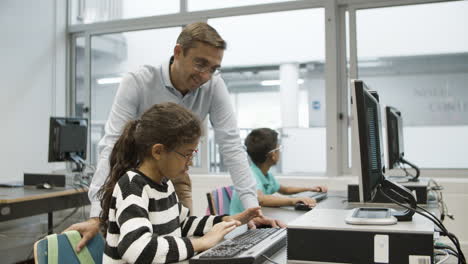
[
  {"x": 60, "y": 248},
  {"x": 219, "y": 200}
]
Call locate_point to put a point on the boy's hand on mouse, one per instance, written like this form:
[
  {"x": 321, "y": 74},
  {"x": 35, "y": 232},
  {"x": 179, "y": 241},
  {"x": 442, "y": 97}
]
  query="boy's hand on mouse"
[
  {"x": 265, "y": 221},
  {"x": 319, "y": 188},
  {"x": 305, "y": 200},
  {"x": 214, "y": 236},
  {"x": 245, "y": 216}
]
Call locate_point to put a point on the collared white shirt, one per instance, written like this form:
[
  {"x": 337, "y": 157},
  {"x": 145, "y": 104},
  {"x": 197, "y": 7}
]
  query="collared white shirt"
[{"x": 151, "y": 85}]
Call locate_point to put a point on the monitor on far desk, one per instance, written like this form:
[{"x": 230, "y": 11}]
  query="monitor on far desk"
[
  {"x": 68, "y": 140},
  {"x": 395, "y": 144},
  {"x": 68, "y": 137}
]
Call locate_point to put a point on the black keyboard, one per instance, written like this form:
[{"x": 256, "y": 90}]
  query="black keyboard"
[
  {"x": 246, "y": 248},
  {"x": 318, "y": 196}
]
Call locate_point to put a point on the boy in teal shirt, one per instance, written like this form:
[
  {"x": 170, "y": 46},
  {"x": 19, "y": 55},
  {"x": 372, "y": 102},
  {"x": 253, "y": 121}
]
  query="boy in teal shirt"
[{"x": 264, "y": 151}]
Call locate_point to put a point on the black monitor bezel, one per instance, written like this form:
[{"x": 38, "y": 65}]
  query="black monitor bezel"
[
  {"x": 54, "y": 125},
  {"x": 366, "y": 189},
  {"x": 395, "y": 145}
]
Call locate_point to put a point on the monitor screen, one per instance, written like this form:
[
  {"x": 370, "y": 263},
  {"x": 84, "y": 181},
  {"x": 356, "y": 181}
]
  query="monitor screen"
[
  {"x": 395, "y": 146},
  {"x": 67, "y": 138},
  {"x": 368, "y": 135}
]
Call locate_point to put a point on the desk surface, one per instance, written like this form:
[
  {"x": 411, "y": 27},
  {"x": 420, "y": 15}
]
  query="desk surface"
[
  {"x": 27, "y": 201},
  {"x": 335, "y": 200},
  {"x": 28, "y": 193}
]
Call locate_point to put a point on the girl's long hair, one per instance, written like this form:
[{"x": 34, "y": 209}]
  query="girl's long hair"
[{"x": 168, "y": 124}]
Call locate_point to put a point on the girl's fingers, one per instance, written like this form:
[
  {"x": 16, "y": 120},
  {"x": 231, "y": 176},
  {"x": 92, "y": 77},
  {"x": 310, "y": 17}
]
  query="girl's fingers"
[{"x": 231, "y": 223}]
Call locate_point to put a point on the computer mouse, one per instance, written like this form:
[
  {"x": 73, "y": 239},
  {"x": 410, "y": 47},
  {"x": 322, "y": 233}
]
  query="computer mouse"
[
  {"x": 302, "y": 207},
  {"x": 44, "y": 185}
]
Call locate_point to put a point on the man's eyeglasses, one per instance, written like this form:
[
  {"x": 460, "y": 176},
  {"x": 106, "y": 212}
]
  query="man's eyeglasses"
[
  {"x": 199, "y": 67},
  {"x": 279, "y": 148},
  {"x": 188, "y": 157}
]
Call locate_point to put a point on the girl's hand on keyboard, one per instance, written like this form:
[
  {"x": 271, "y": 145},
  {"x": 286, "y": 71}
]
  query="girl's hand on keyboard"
[
  {"x": 216, "y": 234},
  {"x": 245, "y": 216}
]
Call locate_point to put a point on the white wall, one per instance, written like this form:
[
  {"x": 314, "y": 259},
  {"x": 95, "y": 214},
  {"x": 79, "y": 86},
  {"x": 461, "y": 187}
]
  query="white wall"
[
  {"x": 32, "y": 83},
  {"x": 32, "y": 88}
]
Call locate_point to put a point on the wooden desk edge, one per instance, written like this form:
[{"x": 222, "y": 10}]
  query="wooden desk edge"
[{"x": 45, "y": 195}]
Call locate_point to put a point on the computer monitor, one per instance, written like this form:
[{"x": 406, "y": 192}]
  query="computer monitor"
[
  {"x": 395, "y": 146},
  {"x": 395, "y": 143},
  {"x": 68, "y": 137},
  {"x": 368, "y": 145},
  {"x": 366, "y": 112}
]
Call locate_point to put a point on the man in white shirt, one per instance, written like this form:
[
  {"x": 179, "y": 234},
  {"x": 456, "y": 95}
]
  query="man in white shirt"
[{"x": 190, "y": 78}]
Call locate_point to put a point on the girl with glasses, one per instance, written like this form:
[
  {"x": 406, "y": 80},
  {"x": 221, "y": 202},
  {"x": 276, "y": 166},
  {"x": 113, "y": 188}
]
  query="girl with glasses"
[{"x": 142, "y": 217}]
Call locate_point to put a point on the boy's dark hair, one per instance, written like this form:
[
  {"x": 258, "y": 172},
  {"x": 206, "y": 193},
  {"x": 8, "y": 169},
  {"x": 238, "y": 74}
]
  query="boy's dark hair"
[
  {"x": 168, "y": 124},
  {"x": 259, "y": 142}
]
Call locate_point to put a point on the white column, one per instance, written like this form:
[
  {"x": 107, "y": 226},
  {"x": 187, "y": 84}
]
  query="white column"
[{"x": 289, "y": 90}]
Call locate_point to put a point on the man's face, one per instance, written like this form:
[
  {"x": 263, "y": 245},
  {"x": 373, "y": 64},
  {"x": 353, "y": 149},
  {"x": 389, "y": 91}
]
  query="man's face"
[{"x": 196, "y": 66}]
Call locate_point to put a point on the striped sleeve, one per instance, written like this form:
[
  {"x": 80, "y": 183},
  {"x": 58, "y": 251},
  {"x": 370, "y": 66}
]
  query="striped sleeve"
[
  {"x": 198, "y": 226},
  {"x": 138, "y": 242}
]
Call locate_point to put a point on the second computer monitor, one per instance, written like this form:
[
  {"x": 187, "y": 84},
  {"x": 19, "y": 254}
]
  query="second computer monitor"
[{"x": 395, "y": 145}]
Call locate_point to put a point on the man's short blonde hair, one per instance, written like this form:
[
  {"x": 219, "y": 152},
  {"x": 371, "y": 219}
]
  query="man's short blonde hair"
[{"x": 201, "y": 32}]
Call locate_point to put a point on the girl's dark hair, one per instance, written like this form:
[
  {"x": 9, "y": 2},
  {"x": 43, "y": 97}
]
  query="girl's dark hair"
[
  {"x": 259, "y": 142},
  {"x": 168, "y": 124}
]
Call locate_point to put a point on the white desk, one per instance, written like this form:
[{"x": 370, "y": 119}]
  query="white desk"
[{"x": 336, "y": 200}]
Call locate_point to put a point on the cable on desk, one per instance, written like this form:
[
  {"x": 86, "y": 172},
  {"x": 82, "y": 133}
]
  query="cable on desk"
[
  {"x": 440, "y": 199},
  {"x": 450, "y": 250},
  {"x": 447, "y": 255},
  {"x": 269, "y": 259},
  {"x": 430, "y": 216},
  {"x": 438, "y": 223}
]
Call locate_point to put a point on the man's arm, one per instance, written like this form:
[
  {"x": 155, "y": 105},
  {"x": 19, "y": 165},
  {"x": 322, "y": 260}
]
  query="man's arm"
[
  {"x": 226, "y": 132},
  {"x": 124, "y": 108}
]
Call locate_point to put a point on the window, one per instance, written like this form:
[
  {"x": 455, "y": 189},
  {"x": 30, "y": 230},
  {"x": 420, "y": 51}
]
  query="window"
[
  {"x": 416, "y": 57},
  {"x": 91, "y": 11},
  {"x": 265, "y": 53},
  {"x": 197, "y": 5},
  {"x": 112, "y": 55}
]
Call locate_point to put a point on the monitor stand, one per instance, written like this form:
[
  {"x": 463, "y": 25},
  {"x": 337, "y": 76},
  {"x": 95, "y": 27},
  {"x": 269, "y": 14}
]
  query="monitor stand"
[
  {"x": 386, "y": 216},
  {"x": 371, "y": 216},
  {"x": 400, "y": 179}
]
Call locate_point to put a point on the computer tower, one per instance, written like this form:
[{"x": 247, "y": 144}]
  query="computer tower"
[{"x": 322, "y": 235}]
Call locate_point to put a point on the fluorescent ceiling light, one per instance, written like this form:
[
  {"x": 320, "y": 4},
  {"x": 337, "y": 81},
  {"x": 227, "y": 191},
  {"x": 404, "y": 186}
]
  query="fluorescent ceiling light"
[
  {"x": 109, "y": 80},
  {"x": 278, "y": 82},
  {"x": 371, "y": 64}
]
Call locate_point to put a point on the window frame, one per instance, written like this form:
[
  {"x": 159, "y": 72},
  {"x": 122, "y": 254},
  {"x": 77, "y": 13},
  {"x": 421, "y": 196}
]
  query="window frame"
[
  {"x": 336, "y": 71},
  {"x": 352, "y": 7}
]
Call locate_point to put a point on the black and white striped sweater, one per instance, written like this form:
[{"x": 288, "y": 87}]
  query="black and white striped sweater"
[{"x": 147, "y": 223}]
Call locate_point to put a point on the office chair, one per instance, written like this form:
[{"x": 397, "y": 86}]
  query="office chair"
[
  {"x": 60, "y": 248},
  {"x": 219, "y": 200}
]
